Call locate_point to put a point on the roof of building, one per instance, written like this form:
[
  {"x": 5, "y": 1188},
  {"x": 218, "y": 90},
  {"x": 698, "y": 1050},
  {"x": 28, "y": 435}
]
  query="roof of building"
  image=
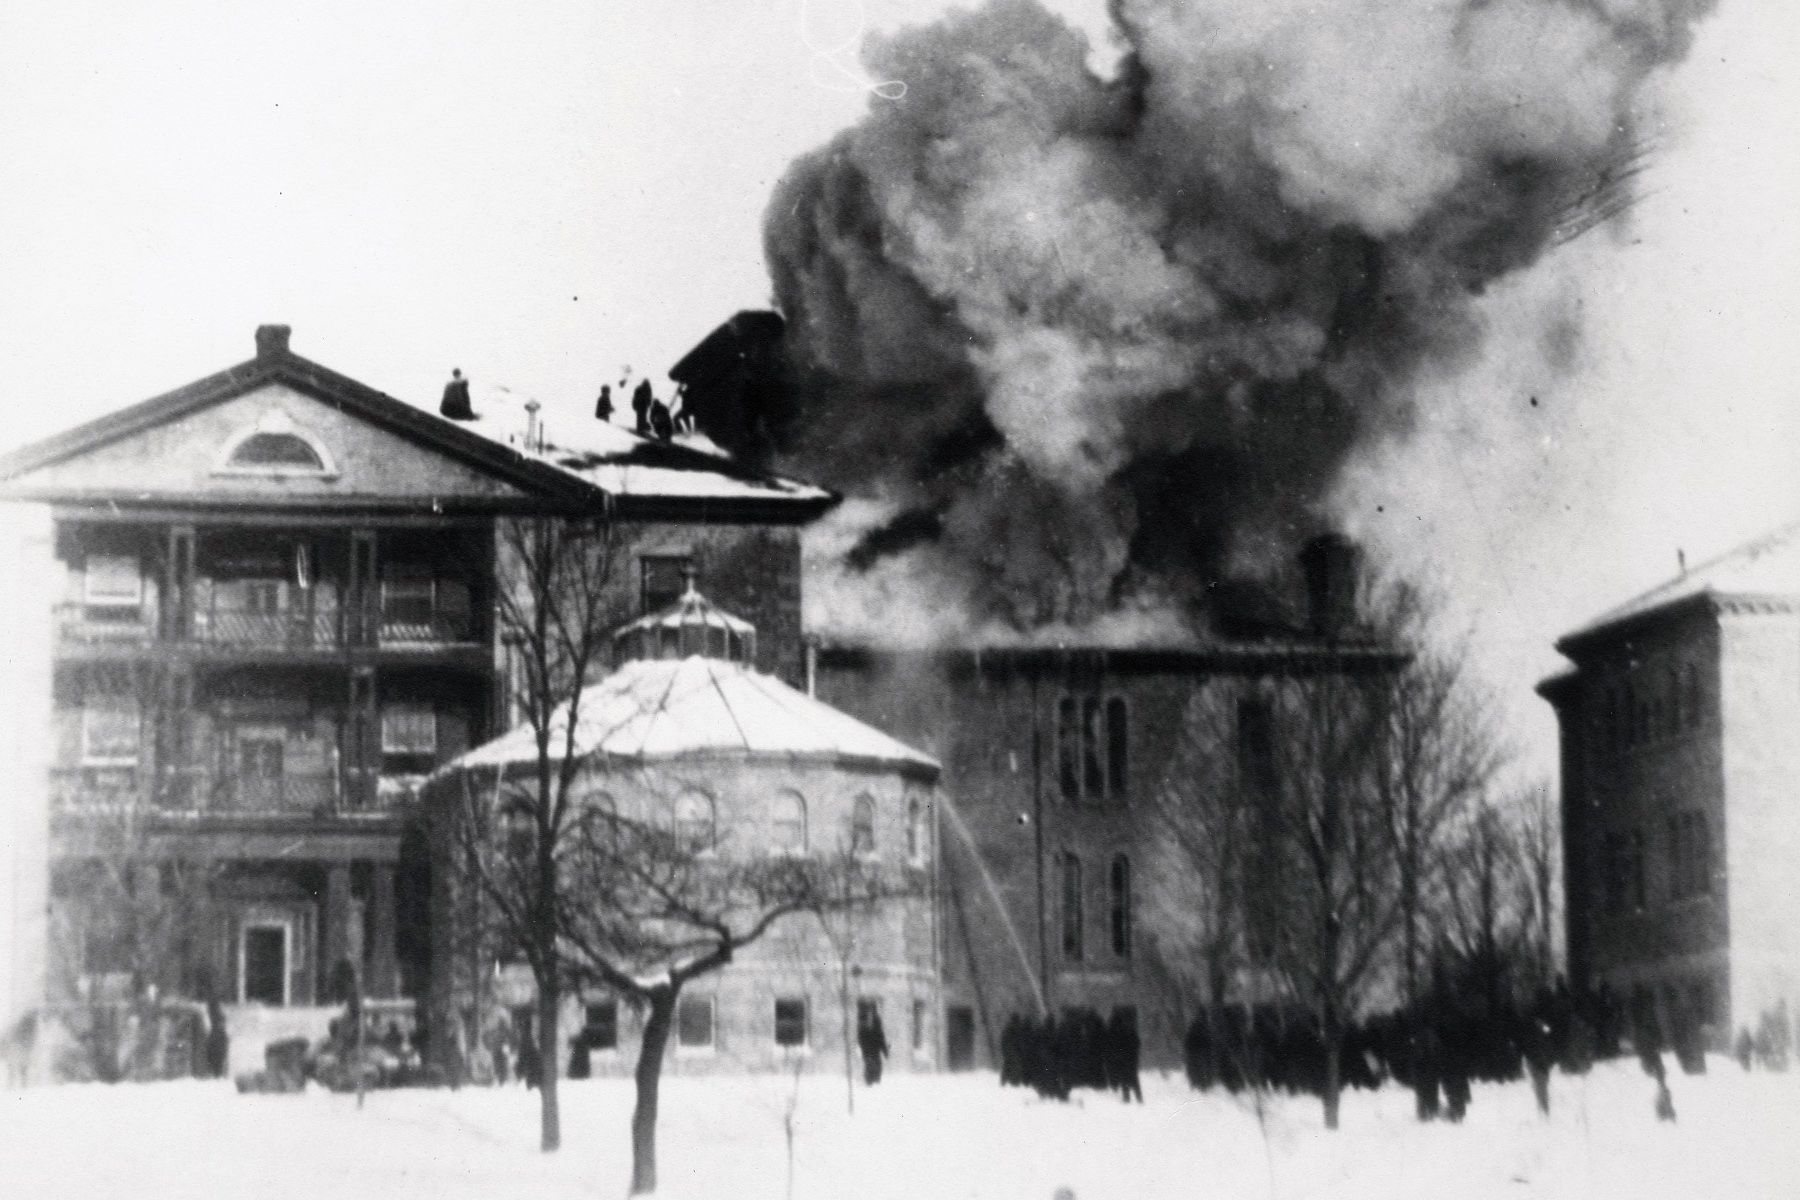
[
  {"x": 671, "y": 709},
  {"x": 1765, "y": 569},
  {"x": 587, "y": 465}
]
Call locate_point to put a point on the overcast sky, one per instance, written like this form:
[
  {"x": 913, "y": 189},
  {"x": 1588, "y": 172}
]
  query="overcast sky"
[{"x": 544, "y": 193}]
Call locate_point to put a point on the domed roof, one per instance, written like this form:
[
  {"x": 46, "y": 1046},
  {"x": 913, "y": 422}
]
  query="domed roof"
[{"x": 696, "y": 707}]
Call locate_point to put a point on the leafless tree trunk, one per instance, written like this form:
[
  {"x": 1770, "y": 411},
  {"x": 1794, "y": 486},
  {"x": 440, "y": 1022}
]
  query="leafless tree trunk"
[{"x": 555, "y": 607}]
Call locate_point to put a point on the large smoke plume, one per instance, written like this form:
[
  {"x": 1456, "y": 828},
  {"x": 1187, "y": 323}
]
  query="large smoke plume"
[{"x": 1082, "y": 346}]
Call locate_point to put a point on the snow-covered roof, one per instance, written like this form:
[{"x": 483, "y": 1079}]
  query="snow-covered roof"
[
  {"x": 661, "y": 709},
  {"x": 1768, "y": 567},
  {"x": 617, "y": 460}
]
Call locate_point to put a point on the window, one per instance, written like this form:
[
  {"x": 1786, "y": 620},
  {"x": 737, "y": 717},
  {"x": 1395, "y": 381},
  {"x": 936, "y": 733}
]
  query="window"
[
  {"x": 408, "y": 729},
  {"x": 662, "y": 580},
  {"x": 694, "y": 1023},
  {"x": 406, "y": 595},
  {"x": 111, "y": 732},
  {"x": 1119, "y": 887},
  {"x": 787, "y": 823},
  {"x": 862, "y": 826},
  {"x": 696, "y": 821},
  {"x": 1071, "y": 908},
  {"x": 1092, "y": 741},
  {"x": 1255, "y": 748},
  {"x": 790, "y": 1021},
  {"x": 276, "y": 451},
  {"x": 112, "y": 587},
  {"x": 916, "y": 837},
  {"x": 600, "y": 1027},
  {"x": 1690, "y": 856},
  {"x": 918, "y": 1026},
  {"x": 1625, "y": 871}
]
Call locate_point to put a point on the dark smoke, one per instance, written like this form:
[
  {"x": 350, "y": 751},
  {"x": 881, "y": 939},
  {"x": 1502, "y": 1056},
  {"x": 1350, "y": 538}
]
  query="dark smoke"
[{"x": 1082, "y": 345}]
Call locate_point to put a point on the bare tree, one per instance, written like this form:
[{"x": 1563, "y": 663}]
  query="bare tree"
[
  {"x": 555, "y": 606},
  {"x": 1440, "y": 755},
  {"x": 660, "y": 897}
]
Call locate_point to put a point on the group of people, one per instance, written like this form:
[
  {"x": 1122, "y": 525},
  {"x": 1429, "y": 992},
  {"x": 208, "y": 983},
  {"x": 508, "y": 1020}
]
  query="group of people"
[
  {"x": 1442, "y": 1046},
  {"x": 1053, "y": 1056}
]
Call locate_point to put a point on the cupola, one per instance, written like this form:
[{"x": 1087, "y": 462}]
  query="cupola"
[{"x": 692, "y": 627}]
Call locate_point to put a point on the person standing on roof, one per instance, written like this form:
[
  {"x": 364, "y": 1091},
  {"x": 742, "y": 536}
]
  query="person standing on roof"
[
  {"x": 603, "y": 407},
  {"x": 455, "y": 404},
  {"x": 641, "y": 400}
]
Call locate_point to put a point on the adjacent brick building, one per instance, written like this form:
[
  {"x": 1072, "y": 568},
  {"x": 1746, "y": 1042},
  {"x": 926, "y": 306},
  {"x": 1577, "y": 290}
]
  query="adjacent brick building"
[{"x": 1680, "y": 755}]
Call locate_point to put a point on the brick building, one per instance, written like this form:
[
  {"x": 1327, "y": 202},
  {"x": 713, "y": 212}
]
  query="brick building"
[
  {"x": 1681, "y": 791},
  {"x": 1052, "y": 759},
  {"x": 270, "y": 612}
]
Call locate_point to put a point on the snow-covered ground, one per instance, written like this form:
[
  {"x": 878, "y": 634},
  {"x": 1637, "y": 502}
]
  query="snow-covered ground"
[{"x": 921, "y": 1136}]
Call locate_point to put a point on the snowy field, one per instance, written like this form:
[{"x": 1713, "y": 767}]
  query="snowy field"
[{"x": 947, "y": 1136}]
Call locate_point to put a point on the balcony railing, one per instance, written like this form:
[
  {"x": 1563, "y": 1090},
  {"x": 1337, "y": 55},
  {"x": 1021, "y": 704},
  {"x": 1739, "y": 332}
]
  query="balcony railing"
[
  {"x": 121, "y": 790},
  {"x": 227, "y": 621},
  {"x": 224, "y": 619}
]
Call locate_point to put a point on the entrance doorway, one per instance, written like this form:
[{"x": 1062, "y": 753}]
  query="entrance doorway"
[
  {"x": 265, "y": 976},
  {"x": 959, "y": 1037}
]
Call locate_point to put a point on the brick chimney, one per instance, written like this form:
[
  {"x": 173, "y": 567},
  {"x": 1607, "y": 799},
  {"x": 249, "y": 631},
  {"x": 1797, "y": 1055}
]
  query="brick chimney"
[
  {"x": 272, "y": 340},
  {"x": 1331, "y": 564}
]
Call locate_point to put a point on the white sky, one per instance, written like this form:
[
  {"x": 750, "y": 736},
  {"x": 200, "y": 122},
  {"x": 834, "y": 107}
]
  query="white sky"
[{"x": 543, "y": 193}]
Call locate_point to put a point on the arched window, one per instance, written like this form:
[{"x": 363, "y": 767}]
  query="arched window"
[
  {"x": 275, "y": 445},
  {"x": 862, "y": 825},
  {"x": 277, "y": 450},
  {"x": 1119, "y": 888},
  {"x": 787, "y": 823},
  {"x": 916, "y": 837},
  {"x": 1072, "y": 917},
  {"x": 696, "y": 821}
]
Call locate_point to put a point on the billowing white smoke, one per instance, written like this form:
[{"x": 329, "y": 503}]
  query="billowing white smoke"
[{"x": 1089, "y": 344}]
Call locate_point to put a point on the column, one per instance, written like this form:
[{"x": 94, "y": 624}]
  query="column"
[
  {"x": 337, "y": 940},
  {"x": 383, "y": 967}
]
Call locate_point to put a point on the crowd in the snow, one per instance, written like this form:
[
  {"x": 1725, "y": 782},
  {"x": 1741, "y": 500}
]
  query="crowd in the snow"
[
  {"x": 1053, "y": 1056},
  {"x": 1441, "y": 1047}
]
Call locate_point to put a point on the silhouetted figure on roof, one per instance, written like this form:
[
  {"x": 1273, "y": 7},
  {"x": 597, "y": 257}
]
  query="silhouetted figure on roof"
[
  {"x": 456, "y": 398},
  {"x": 662, "y": 423},
  {"x": 641, "y": 401},
  {"x": 603, "y": 407}
]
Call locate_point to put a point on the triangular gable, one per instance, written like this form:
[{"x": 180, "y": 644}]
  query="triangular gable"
[{"x": 371, "y": 450}]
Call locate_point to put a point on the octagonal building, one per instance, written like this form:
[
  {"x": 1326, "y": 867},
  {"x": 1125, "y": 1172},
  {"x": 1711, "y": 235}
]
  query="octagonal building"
[{"x": 686, "y": 732}]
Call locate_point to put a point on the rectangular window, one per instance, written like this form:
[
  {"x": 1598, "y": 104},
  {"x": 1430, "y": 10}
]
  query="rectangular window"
[
  {"x": 111, "y": 732},
  {"x": 1068, "y": 748},
  {"x": 1625, "y": 871},
  {"x": 1690, "y": 856},
  {"x": 662, "y": 580},
  {"x": 918, "y": 1026},
  {"x": 407, "y": 600},
  {"x": 408, "y": 729},
  {"x": 112, "y": 588},
  {"x": 1092, "y": 742},
  {"x": 1119, "y": 883},
  {"x": 1255, "y": 748},
  {"x": 790, "y": 1021},
  {"x": 1071, "y": 908},
  {"x": 694, "y": 1023},
  {"x": 600, "y": 1027}
]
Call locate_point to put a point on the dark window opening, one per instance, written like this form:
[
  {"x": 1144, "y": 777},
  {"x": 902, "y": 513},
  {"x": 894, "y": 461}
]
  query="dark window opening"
[
  {"x": 1256, "y": 748},
  {"x": 1093, "y": 739},
  {"x": 694, "y": 1023},
  {"x": 277, "y": 450},
  {"x": 790, "y": 1022},
  {"x": 600, "y": 1025},
  {"x": 1071, "y": 908},
  {"x": 1119, "y": 883},
  {"x": 663, "y": 580}
]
